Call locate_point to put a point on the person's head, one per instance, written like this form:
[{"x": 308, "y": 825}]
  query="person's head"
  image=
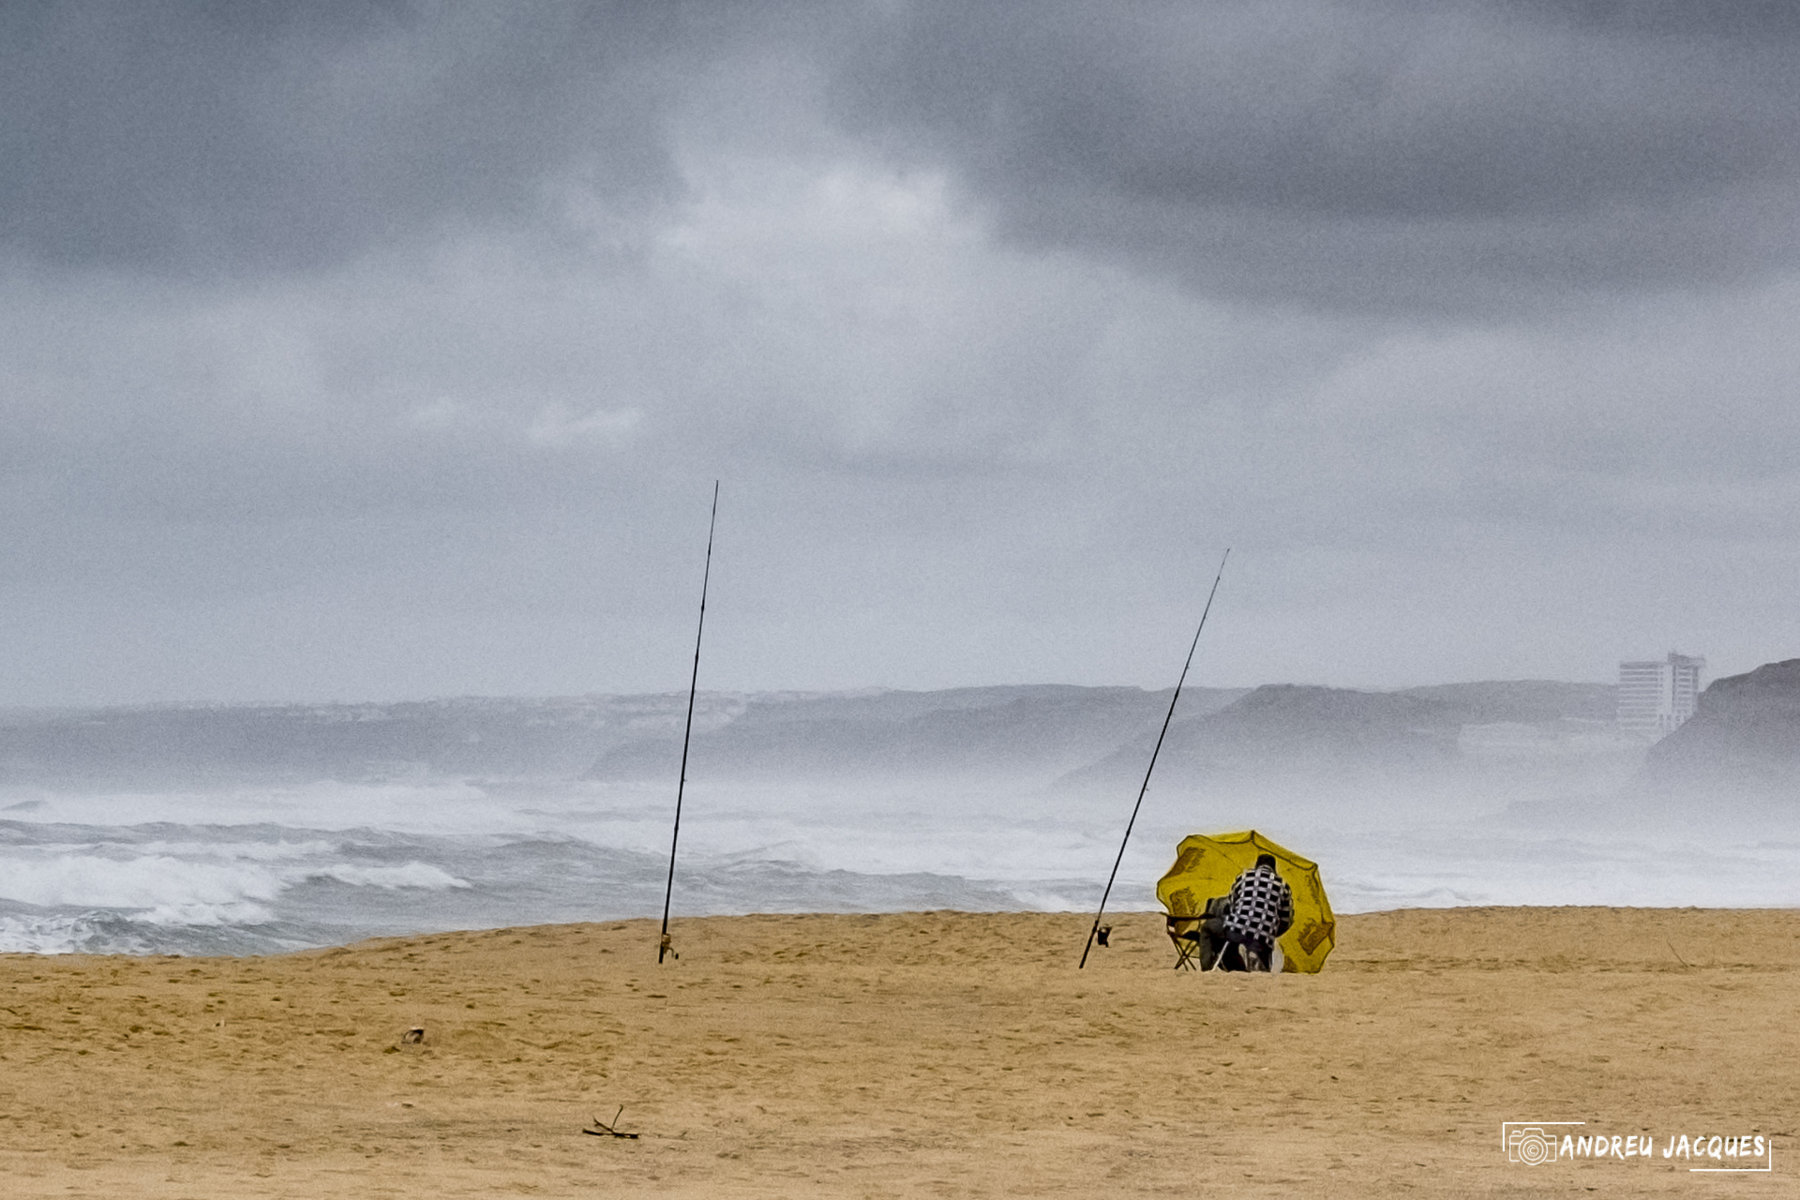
[{"x": 1266, "y": 860}]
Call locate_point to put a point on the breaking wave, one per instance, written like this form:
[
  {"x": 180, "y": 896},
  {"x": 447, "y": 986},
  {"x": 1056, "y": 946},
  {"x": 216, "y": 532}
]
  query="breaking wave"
[{"x": 266, "y": 870}]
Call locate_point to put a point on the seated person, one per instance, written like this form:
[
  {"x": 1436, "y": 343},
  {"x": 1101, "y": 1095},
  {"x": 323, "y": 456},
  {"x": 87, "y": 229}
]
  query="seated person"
[{"x": 1259, "y": 910}]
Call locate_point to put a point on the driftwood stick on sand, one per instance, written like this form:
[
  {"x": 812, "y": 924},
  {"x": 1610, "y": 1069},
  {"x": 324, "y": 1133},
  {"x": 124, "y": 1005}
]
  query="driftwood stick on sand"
[{"x": 602, "y": 1129}]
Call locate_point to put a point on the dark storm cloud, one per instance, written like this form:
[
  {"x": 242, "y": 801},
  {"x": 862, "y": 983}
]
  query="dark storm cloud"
[
  {"x": 1754, "y": 20},
  {"x": 393, "y": 348},
  {"x": 1391, "y": 154},
  {"x": 1394, "y": 155},
  {"x": 254, "y": 136}
]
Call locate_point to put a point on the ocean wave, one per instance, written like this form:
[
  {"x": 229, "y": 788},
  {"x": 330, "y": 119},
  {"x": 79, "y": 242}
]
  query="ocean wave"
[
  {"x": 102, "y": 932},
  {"x": 155, "y": 882},
  {"x": 424, "y": 807},
  {"x": 252, "y": 872},
  {"x": 408, "y": 875},
  {"x": 245, "y": 850},
  {"x": 1072, "y": 898}
]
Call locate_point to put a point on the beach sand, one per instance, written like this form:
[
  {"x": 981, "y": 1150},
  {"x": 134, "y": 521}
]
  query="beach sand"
[{"x": 936, "y": 1054}]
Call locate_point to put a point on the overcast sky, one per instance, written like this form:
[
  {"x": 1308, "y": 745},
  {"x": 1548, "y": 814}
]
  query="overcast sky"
[{"x": 390, "y": 350}]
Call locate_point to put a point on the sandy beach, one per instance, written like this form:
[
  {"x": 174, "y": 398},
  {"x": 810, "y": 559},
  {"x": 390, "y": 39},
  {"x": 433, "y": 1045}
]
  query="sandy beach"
[{"x": 935, "y": 1054}]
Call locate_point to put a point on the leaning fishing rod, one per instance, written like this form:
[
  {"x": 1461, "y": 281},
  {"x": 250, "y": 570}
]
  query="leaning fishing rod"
[
  {"x": 1159, "y": 742},
  {"x": 663, "y": 946}
]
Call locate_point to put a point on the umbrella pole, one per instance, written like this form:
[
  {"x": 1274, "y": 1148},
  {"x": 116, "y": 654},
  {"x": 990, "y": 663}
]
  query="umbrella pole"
[
  {"x": 1158, "y": 750},
  {"x": 663, "y": 945}
]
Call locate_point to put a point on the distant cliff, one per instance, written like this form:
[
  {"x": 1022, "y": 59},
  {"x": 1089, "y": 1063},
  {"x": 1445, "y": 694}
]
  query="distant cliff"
[
  {"x": 1030, "y": 735},
  {"x": 1283, "y": 730},
  {"x": 1744, "y": 734},
  {"x": 1524, "y": 701}
]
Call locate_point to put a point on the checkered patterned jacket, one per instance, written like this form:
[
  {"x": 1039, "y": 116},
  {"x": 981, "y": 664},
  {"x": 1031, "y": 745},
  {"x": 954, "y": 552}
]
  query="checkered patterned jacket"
[{"x": 1262, "y": 905}]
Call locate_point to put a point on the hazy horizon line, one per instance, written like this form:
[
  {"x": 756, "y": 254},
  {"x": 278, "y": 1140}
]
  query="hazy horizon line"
[{"x": 756, "y": 693}]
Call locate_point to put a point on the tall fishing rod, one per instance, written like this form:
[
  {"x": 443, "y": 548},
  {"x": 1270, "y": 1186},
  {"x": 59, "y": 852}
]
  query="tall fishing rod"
[
  {"x": 662, "y": 946},
  {"x": 1159, "y": 742}
]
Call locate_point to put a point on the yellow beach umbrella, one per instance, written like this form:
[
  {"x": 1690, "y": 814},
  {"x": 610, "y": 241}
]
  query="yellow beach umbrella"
[{"x": 1206, "y": 865}]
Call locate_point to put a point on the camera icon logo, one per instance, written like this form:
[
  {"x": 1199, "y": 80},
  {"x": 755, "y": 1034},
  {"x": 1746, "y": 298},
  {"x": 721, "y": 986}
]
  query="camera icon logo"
[{"x": 1530, "y": 1145}]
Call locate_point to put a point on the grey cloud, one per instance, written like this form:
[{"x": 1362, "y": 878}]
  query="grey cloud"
[
  {"x": 1751, "y": 20},
  {"x": 388, "y": 350},
  {"x": 230, "y": 137},
  {"x": 1398, "y": 156},
  {"x": 1395, "y": 155}
]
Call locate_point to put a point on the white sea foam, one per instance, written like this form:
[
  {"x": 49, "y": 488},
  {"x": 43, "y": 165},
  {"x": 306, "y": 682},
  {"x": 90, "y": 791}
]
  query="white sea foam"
[
  {"x": 449, "y": 807},
  {"x": 191, "y": 871},
  {"x": 156, "y": 882},
  {"x": 175, "y": 884},
  {"x": 241, "y": 850},
  {"x": 410, "y": 875},
  {"x": 63, "y": 934}
]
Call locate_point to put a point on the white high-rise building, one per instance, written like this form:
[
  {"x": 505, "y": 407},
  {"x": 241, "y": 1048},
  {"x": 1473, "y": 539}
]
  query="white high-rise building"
[{"x": 1656, "y": 696}]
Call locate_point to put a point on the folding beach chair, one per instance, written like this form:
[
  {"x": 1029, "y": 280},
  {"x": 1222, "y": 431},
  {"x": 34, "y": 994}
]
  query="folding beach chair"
[
  {"x": 1189, "y": 941},
  {"x": 1197, "y": 947}
]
